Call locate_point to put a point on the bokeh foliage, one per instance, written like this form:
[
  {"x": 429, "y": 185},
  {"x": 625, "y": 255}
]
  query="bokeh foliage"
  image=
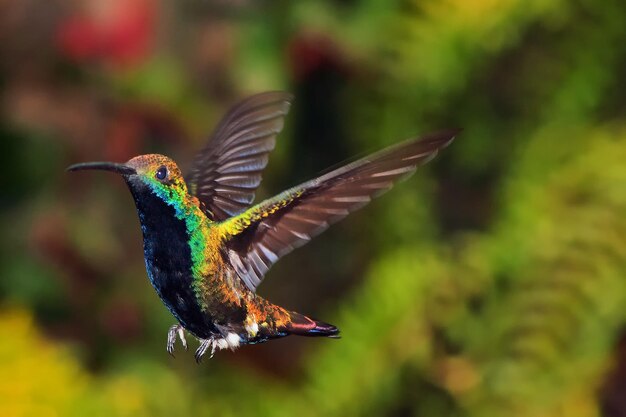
[{"x": 492, "y": 284}]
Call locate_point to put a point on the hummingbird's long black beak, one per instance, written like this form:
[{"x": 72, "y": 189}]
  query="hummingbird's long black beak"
[{"x": 104, "y": 166}]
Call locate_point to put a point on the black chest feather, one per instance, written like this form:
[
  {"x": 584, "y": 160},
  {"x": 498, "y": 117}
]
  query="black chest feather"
[{"x": 168, "y": 260}]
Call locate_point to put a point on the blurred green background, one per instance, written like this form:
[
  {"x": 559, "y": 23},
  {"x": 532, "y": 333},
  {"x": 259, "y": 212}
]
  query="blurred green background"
[{"x": 492, "y": 283}]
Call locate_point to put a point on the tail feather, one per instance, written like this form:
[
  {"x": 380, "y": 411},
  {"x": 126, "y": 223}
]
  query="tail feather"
[{"x": 305, "y": 326}]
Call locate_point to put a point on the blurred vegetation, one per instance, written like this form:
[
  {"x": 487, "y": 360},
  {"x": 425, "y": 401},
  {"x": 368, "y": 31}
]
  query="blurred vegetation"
[{"x": 490, "y": 284}]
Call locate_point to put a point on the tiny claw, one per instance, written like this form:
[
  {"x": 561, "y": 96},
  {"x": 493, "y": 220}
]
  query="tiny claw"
[
  {"x": 174, "y": 330},
  {"x": 213, "y": 344},
  {"x": 181, "y": 335},
  {"x": 204, "y": 346}
]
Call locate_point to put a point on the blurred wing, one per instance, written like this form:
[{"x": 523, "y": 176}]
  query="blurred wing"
[
  {"x": 227, "y": 172},
  {"x": 273, "y": 228}
]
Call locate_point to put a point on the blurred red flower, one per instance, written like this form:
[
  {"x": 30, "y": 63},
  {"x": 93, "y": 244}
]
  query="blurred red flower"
[
  {"x": 117, "y": 32},
  {"x": 311, "y": 52}
]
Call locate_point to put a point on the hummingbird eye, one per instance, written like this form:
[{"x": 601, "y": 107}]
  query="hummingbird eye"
[{"x": 161, "y": 173}]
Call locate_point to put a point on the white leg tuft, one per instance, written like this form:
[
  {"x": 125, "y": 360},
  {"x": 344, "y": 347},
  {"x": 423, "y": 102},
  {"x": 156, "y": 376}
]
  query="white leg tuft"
[
  {"x": 233, "y": 340},
  {"x": 221, "y": 343}
]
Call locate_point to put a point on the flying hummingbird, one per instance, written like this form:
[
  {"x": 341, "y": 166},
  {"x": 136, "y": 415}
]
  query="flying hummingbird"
[{"x": 207, "y": 248}]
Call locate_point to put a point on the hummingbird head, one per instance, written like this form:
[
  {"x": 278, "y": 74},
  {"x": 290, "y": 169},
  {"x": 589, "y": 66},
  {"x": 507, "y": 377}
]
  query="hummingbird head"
[
  {"x": 147, "y": 175},
  {"x": 158, "y": 172}
]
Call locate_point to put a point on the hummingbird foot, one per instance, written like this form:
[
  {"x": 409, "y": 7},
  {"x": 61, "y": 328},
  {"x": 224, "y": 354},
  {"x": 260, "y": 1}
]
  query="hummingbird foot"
[
  {"x": 231, "y": 341},
  {"x": 175, "y": 330},
  {"x": 203, "y": 348}
]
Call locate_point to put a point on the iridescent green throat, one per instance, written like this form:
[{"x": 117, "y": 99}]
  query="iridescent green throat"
[{"x": 198, "y": 231}]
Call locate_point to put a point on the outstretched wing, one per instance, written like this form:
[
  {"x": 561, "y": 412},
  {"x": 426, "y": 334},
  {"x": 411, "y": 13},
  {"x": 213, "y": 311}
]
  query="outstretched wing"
[
  {"x": 273, "y": 228},
  {"x": 227, "y": 172}
]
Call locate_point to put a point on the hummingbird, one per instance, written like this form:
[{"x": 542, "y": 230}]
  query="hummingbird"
[{"x": 207, "y": 247}]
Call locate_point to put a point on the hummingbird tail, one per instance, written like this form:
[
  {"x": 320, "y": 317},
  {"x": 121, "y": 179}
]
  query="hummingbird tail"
[{"x": 302, "y": 325}]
